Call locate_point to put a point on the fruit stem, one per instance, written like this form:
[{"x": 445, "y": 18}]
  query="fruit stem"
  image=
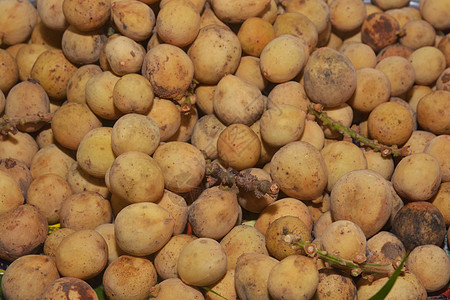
[
  {"x": 356, "y": 268},
  {"x": 317, "y": 111},
  {"x": 215, "y": 174},
  {"x": 9, "y": 125}
]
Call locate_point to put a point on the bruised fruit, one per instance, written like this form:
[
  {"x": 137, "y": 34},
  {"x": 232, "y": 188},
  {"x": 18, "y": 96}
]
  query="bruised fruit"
[
  {"x": 379, "y": 30},
  {"x": 419, "y": 223}
]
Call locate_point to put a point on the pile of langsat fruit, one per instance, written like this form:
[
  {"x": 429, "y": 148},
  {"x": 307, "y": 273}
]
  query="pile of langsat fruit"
[{"x": 211, "y": 149}]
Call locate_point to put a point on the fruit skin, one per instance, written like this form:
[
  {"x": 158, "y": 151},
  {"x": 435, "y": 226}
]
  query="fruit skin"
[
  {"x": 133, "y": 18},
  {"x": 53, "y": 70},
  {"x": 215, "y": 53},
  {"x": 136, "y": 177},
  {"x": 129, "y": 277},
  {"x": 23, "y": 230},
  {"x": 238, "y": 147},
  {"x": 412, "y": 187},
  {"x": 169, "y": 70},
  {"x": 87, "y": 15},
  {"x": 143, "y": 228},
  {"x": 237, "y": 101},
  {"x": 71, "y": 123},
  {"x": 275, "y": 242},
  {"x": 407, "y": 286},
  {"x": 178, "y": 23},
  {"x": 431, "y": 265},
  {"x": 182, "y": 165},
  {"x": 27, "y": 98},
  {"x": 344, "y": 238},
  {"x": 282, "y": 124},
  {"x": 202, "y": 262},
  {"x": 25, "y": 17},
  {"x": 211, "y": 205},
  {"x": 82, "y": 48},
  {"x": 283, "y": 58},
  {"x": 236, "y": 11},
  {"x": 251, "y": 275},
  {"x": 335, "y": 284},
  {"x": 390, "y": 123},
  {"x": 330, "y": 77},
  {"x": 83, "y": 254},
  {"x": 288, "y": 281},
  {"x": 28, "y": 276},
  {"x": 298, "y": 177},
  {"x": 433, "y": 114},
  {"x": 10, "y": 73},
  {"x": 254, "y": 34},
  {"x": 95, "y": 154}
]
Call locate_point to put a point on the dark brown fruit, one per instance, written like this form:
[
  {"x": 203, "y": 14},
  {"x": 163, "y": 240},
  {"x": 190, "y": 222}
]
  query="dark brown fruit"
[
  {"x": 419, "y": 223},
  {"x": 379, "y": 30}
]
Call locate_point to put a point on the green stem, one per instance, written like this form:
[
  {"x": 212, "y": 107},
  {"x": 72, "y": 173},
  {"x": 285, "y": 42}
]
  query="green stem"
[
  {"x": 8, "y": 124},
  {"x": 385, "y": 150},
  {"x": 384, "y": 291},
  {"x": 355, "y": 268},
  {"x": 212, "y": 291}
]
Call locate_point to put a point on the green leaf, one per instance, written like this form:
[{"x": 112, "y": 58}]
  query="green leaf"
[
  {"x": 384, "y": 291},
  {"x": 249, "y": 223},
  {"x": 214, "y": 292},
  {"x": 53, "y": 228},
  {"x": 1, "y": 294},
  {"x": 100, "y": 293}
]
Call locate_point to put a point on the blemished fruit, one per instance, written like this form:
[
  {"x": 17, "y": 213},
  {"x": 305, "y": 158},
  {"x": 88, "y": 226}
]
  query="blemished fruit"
[{"x": 201, "y": 149}]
